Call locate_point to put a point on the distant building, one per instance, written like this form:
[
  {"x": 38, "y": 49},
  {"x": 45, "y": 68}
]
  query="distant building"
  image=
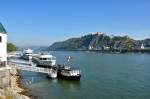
[
  {"x": 99, "y": 33},
  {"x": 90, "y": 47},
  {"x": 142, "y": 46},
  {"x": 106, "y": 47},
  {"x": 3, "y": 46}
]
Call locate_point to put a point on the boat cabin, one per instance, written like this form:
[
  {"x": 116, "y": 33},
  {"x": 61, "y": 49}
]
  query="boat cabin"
[
  {"x": 47, "y": 57},
  {"x": 28, "y": 52}
]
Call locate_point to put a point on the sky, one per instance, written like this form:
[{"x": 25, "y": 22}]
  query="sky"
[{"x": 43, "y": 22}]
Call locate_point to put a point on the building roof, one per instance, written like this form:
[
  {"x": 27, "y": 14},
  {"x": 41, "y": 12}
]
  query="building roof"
[{"x": 2, "y": 29}]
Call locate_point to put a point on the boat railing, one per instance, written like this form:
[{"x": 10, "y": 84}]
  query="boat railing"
[{"x": 75, "y": 71}]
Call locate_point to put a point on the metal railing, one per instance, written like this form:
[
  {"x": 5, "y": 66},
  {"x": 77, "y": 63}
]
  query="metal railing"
[{"x": 30, "y": 68}]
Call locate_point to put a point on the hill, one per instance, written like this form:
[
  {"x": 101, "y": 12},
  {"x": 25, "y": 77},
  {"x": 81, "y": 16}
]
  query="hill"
[{"x": 100, "y": 41}]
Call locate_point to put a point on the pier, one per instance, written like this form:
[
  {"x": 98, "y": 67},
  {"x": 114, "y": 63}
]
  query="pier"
[{"x": 30, "y": 67}]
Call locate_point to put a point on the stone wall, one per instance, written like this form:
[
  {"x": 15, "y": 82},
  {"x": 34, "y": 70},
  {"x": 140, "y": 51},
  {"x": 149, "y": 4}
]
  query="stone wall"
[{"x": 9, "y": 88}]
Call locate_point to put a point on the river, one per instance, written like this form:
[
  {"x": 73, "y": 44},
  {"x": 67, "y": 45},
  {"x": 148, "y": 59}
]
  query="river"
[{"x": 104, "y": 76}]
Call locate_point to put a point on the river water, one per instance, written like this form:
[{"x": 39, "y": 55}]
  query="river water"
[{"x": 104, "y": 76}]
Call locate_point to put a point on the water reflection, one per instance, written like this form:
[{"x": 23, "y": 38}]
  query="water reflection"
[
  {"x": 69, "y": 84},
  {"x": 32, "y": 79}
]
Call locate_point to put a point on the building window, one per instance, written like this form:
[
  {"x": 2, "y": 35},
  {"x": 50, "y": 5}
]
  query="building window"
[{"x": 0, "y": 39}]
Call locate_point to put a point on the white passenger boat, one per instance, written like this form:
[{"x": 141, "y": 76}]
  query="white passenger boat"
[
  {"x": 45, "y": 60},
  {"x": 27, "y": 54}
]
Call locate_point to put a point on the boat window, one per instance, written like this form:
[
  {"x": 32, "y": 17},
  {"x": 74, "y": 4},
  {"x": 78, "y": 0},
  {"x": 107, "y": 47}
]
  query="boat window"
[
  {"x": 50, "y": 58},
  {"x": 41, "y": 59},
  {"x": 44, "y": 58}
]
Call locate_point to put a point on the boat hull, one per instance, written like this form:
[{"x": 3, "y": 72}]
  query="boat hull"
[
  {"x": 77, "y": 77},
  {"x": 54, "y": 76}
]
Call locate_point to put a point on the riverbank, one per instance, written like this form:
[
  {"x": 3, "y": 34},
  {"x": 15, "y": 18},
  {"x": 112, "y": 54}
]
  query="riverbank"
[
  {"x": 114, "y": 51},
  {"x": 9, "y": 85}
]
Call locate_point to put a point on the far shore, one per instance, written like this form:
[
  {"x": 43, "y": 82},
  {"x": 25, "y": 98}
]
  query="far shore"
[{"x": 114, "y": 51}]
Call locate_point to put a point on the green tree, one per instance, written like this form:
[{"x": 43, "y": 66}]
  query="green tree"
[{"x": 11, "y": 47}]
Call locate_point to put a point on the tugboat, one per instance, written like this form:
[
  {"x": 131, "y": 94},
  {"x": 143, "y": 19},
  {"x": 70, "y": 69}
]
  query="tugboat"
[{"x": 68, "y": 73}]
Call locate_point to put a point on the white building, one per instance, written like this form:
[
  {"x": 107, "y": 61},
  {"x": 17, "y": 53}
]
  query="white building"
[
  {"x": 90, "y": 47},
  {"x": 3, "y": 46},
  {"x": 106, "y": 47}
]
